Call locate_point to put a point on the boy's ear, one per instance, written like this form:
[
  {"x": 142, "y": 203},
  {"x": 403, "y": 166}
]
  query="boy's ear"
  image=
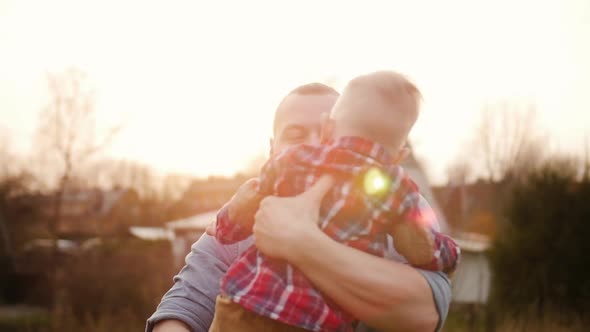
[
  {"x": 401, "y": 155},
  {"x": 327, "y": 129}
]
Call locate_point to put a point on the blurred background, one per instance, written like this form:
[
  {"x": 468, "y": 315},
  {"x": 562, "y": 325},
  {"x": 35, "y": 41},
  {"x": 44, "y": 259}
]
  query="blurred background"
[{"x": 124, "y": 125}]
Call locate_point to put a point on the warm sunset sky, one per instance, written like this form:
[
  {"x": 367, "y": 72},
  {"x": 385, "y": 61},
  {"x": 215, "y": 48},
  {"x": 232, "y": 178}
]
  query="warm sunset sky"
[{"x": 195, "y": 83}]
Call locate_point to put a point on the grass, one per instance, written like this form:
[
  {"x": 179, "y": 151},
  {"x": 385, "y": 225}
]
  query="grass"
[{"x": 460, "y": 320}]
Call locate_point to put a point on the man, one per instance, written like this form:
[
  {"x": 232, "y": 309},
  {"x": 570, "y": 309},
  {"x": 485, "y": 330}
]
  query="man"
[{"x": 387, "y": 295}]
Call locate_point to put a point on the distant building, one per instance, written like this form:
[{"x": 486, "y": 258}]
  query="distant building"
[
  {"x": 181, "y": 233},
  {"x": 472, "y": 279},
  {"x": 471, "y": 208},
  {"x": 473, "y": 211},
  {"x": 187, "y": 231},
  {"x": 89, "y": 212}
]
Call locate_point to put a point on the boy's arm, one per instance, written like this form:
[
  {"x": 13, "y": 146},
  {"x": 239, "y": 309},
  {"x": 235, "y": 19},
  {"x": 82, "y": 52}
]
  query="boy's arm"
[
  {"x": 448, "y": 257},
  {"x": 236, "y": 218},
  {"x": 418, "y": 239},
  {"x": 417, "y": 236},
  {"x": 227, "y": 231}
]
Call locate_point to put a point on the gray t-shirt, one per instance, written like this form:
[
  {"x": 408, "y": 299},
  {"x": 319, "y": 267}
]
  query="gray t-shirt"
[{"x": 192, "y": 297}]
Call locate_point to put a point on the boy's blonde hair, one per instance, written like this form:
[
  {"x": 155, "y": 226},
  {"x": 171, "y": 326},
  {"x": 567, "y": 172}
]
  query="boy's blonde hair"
[{"x": 382, "y": 106}]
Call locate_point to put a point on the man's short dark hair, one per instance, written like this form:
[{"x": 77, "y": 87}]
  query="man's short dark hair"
[{"x": 310, "y": 89}]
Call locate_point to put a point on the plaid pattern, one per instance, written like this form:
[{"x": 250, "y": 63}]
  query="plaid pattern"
[{"x": 275, "y": 289}]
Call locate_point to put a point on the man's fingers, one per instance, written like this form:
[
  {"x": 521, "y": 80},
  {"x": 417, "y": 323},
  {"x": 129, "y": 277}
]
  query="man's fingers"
[{"x": 316, "y": 193}]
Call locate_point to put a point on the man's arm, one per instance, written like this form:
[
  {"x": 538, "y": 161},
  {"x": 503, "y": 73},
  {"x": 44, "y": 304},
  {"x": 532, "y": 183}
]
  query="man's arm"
[
  {"x": 190, "y": 303},
  {"x": 440, "y": 285},
  {"x": 387, "y": 295}
]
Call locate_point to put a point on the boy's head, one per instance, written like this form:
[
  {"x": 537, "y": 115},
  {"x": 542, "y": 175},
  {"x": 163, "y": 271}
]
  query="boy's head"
[{"x": 381, "y": 106}]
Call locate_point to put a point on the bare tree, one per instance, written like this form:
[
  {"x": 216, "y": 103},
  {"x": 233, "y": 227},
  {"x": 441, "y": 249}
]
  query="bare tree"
[
  {"x": 140, "y": 177},
  {"x": 67, "y": 132},
  {"x": 508, "y": 140},
  {"x": 174, "y": 186},
  {"x": 5, "y": 157},
  {"x": 15, "y": 213},
  {"x": 67, "y": 135},
  {"x": 586, "y": 174}
]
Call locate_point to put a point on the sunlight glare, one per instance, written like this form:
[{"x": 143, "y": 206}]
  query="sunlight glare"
[{"x": 376, "y": 182}]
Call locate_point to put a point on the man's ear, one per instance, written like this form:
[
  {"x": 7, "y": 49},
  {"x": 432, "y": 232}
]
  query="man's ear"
[
  {"x": 402, "y": 155},
  {"x": 327, "y": 130}
]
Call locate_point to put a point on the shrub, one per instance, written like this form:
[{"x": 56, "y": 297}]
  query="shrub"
[{"x": 539, "y": 257}]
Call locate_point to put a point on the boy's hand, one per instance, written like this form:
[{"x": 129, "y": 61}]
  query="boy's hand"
[
  {"x": 244, "y": 203},
  {"x": 242, "y": 206},
  {"x": 414, "y": 242}
]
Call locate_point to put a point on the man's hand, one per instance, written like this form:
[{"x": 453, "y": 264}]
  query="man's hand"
[{"x": 282, "y": 222}]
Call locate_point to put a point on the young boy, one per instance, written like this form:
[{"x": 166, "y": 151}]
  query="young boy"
[{"x": 372, "y": 198}]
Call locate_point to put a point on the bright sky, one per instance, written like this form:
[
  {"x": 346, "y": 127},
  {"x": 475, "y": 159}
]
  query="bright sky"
[{"x": 195, "y": 83}]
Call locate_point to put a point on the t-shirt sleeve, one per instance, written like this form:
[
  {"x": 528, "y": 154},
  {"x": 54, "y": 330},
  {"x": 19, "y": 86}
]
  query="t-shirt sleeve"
[
  {"x": 192, "y": 297},
  {"x": 440, "y": 286}
]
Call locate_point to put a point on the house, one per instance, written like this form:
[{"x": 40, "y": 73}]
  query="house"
[
  {"x": 473, "y": 211},
  {"x": 472, "y": 279},
  {"x": 472, "y": 208},
  {"x": 187, "y": 231},
  {"x": 461, "y": 209}
]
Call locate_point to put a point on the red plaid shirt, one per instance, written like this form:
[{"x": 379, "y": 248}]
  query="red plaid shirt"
[{"x": 275, "y": 289}]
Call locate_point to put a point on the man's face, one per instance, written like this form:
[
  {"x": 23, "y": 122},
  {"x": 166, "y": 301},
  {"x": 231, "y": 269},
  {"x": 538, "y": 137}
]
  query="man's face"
[{"x": 298, "y": 120}]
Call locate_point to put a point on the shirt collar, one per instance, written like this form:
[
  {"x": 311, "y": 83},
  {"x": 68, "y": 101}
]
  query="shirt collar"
[{"x": 365, "y": 147}]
